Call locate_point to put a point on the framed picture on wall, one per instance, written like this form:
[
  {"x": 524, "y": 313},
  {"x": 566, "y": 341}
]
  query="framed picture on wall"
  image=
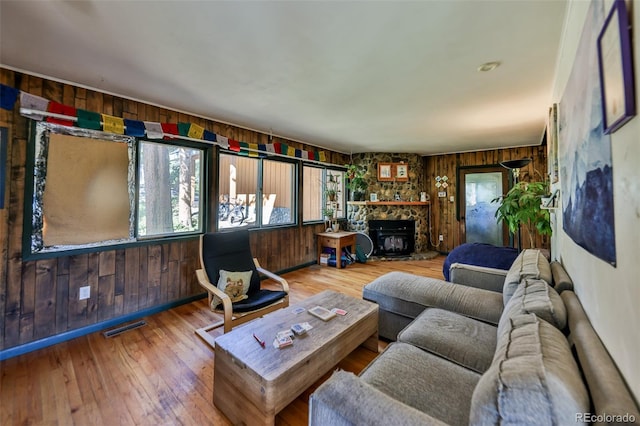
[
  {"x": 402, "y": 172},
  {"x": 552, "y": 143},
  {"x": 616, "y": 71},
  {"x": 3, "y": 162},
  {"x": 384, "y": 171}
]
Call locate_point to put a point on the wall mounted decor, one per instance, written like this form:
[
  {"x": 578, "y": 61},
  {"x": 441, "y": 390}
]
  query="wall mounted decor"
[
  {"x": 393, "y": 172},
  {"x": 586, "y": 166},
  {"x": 3, "y": 163},
  {"x": 552, "y": 143},
  {"x": 616, "y": 70},
  {"x": 384, "y": 171}
]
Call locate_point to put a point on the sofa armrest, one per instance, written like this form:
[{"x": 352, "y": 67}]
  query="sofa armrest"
[
  {"x": 477, "y": 276},
  {"x": 345, "y": 399}
]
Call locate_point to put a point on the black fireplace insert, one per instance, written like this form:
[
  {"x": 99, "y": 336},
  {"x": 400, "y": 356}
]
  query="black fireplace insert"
[{"x": 392, "y": 237}]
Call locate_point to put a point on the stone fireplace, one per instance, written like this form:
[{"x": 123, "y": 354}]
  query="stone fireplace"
[{"x": 395, "y": 200}]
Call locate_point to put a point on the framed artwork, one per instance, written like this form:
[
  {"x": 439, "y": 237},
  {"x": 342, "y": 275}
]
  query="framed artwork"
[
  {"x": 384, "y": 171},
  {"x": 616, "y": 71},
  {"x": 552, "y": 143},
  {"x": 3, "y": 162},
  {"x": 402, "y": 172},
  {"x": 373, "y": 197}
]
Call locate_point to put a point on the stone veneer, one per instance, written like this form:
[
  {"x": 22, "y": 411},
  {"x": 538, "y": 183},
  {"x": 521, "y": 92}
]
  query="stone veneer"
[{"x": 359, "y": 213}]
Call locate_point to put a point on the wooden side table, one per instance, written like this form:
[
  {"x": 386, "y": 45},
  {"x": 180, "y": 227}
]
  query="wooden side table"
[{"x": 336, "y": 240}]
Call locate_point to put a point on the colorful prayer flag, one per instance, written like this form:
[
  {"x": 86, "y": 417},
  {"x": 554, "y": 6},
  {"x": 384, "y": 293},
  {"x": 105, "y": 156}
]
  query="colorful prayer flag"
[
  {"x": 223, "y": 141},
  {"x": 88, "y": 120},
  {"x": 34, "y": 102},
  {"x": 170, "y": 130},
  {"x": 154, "y": 130},
  {"x": 58, "y": 108},
  {"x": 8, "y": 97},
  {"x": 195, "y": 131},
  {"x": 291, "y": 151},
  {"x": 113, "y": 124},
  {"x": 134, "y": 128},
  {"x": 183, "y": 129},
  {"x": 323, "y": 156},
  {"x": 254, "y": 149},
  {"x": 209, "y": 136},
  {"x": 234, "y": 145}
]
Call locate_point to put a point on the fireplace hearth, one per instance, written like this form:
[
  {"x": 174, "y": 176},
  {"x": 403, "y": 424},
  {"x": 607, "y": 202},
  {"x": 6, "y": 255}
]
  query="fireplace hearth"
[{"x": 392, "y": 237}]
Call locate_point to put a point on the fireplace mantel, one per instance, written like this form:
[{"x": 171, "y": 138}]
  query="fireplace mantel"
[{"x": 389, "y": 203}]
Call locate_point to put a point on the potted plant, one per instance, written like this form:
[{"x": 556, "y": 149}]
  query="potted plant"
[
  {"x": 331, "y": 187},
  {"x": 522, "y": 206},
  {"x": 356, "y": 182},
  {"x": 328, "y": 212}
]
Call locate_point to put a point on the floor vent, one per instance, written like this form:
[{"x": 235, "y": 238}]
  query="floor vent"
[{"x": 116, "y": 331}]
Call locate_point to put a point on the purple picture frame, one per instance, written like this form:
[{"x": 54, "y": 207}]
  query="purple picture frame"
[
  {"x": 3, "y": 163},
  {"x": 616, "y": 69}
]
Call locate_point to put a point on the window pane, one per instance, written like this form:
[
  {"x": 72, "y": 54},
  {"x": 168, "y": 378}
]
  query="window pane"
[
  {"x": 169, "y": 190},
  {"x": 277, "y": 193},
  {"x": 238, "y": 184},
  {"x": 335, "y": 183},
  {"x": 311, "y": 193}
]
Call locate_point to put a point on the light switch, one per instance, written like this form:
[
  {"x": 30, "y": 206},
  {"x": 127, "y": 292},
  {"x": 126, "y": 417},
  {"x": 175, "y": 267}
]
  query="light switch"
[{"x": 452, "y": 198}]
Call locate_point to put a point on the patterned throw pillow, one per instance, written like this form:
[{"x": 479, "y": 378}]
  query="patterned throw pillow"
[{"x": 234, "y": 284}]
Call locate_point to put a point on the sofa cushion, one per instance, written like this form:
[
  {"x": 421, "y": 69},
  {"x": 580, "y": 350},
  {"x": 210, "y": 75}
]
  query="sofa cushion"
[
  {"x": 465, "y": 341},
  {"x": 533, "y": 379},
  {"x": 535, "y": 297},
  {"x": 530, "y": 263},
  {"x": 423, "y": 381},
  {"x": 409, "y": 294}
]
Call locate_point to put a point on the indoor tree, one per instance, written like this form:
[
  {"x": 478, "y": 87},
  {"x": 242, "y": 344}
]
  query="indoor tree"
[{"x": 522, "y": 206}]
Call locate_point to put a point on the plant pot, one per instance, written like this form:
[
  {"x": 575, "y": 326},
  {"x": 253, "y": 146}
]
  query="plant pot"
[
  {"x": 335, "y": 227},
  {"x": 357, "y": 195}
]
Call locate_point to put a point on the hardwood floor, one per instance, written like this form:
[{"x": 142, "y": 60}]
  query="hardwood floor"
[{"x": 161, "y": 373}]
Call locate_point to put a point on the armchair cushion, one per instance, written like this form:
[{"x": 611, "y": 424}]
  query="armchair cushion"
[
  {"x": 258, "y": 300},
  {"x": 230, "y": 251},
  {"x": 234, "y": 284}
]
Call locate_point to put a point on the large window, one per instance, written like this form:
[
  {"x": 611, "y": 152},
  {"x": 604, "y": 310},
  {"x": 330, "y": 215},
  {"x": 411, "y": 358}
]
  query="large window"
[
  {"x": 91, "y": 189},
  {"x": 255, "y": 192},
  {"x": 169, "y": 189},
  {"x": 318, "y": 183}
]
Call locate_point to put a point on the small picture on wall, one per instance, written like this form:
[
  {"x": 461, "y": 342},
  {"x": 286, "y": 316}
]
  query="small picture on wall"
[
  {"x": 402, "y": 172},
  {"x": 384, "y": 171},
  {"x": 373, "y": 197}
]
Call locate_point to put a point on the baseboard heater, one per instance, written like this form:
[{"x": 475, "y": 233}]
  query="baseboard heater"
[{"x": 119, "y": 330}]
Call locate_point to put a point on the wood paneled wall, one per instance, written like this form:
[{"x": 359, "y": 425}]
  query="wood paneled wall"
[
  {"x": 39, "y": 298},
  {"x": 443, "y": 211}
]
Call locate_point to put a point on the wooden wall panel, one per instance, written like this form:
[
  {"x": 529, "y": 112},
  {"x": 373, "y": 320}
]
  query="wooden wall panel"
[
  {"x": 39, "y": 299},
  {"x": 443, "y": 212}
]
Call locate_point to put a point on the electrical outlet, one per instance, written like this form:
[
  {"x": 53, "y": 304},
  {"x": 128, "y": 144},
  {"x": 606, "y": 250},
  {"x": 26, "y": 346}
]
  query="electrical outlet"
[
  {"x": 442, "y": 194},
  {"x": 441, "y": 237},
  {"x": 85, "y": 292}
]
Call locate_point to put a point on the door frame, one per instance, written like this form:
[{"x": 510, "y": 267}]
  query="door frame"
[{"x": 462, "y": 172}]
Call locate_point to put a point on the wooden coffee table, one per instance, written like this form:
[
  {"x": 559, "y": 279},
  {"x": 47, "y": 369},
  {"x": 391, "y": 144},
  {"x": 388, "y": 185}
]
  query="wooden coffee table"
[{"x": 252, "y": 384}]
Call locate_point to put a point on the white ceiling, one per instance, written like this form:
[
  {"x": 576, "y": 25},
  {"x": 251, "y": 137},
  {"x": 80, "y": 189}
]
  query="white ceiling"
[{"x": 353, "y": 76}]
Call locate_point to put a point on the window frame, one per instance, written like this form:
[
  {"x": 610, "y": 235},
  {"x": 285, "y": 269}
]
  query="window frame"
[
  {"x": 343, "y": 196},
  {"x": 28, "y": 229},
  {"x": 295, "y": 209},
  {"x": 177, "y": 142}
]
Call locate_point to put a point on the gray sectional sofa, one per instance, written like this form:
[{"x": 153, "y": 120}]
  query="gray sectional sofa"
[{"x": 466, "y": 355}]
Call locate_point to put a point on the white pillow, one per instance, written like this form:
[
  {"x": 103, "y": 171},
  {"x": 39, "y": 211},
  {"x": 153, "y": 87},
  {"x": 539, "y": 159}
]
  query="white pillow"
[{"x": 234, "y": 284}]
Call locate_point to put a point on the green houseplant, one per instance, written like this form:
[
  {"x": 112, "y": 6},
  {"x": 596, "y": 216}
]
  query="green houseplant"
[
  {"x": 521, "y": 206},
  {"x": 356, "y": 181}
]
